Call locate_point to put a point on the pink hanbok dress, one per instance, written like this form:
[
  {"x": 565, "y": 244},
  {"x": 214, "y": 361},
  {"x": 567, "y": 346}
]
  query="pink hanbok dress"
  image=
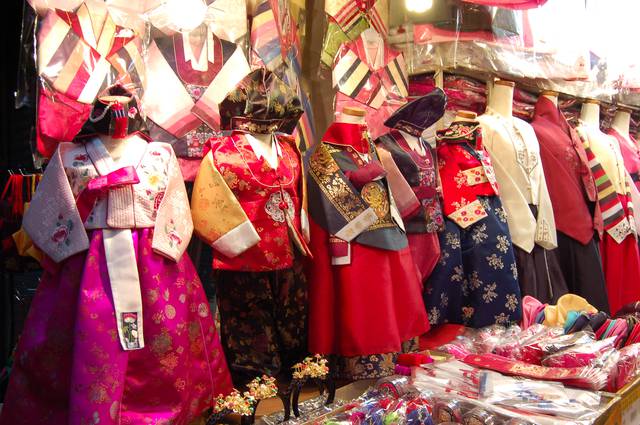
[{"x": 114, "y": 232}]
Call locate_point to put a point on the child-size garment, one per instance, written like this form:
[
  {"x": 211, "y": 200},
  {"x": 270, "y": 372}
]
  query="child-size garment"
[
  {"x": 120, "y": 329},
  {"x": 475, "y": 282}
]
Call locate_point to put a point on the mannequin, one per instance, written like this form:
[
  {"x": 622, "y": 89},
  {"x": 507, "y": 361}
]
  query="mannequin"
[
  {"x": 475, "y": 232},
  {"x": 111, "y": 214},
  {"x": 572, "y": 191},
  {"x": 621, "y": 123},
  {"x": 248, "y": 205},
  {"x": 551, "y": 95},
  {"x": 362, "y": 268},
  {"x": 515, "y": 156},
  {"x": 501, "y": 98},
  {"x": 404, "y": 149},
  {"x": 620, "y": 258},
  {"x": 590, "y": 112}
]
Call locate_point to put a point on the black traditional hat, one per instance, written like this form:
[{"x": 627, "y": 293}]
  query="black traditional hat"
[
  {"x": 261, "y": 103},
  {"x": 419, "y": 114}
]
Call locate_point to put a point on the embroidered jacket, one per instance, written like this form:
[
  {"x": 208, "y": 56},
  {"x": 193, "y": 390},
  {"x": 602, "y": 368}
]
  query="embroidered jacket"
[
  {"x": 182, "y": 92},
  {"x": 375, "y": 82},
  {"x": 420, "y": 173},
  {"x": 251, "y": 214},
  {"x": 465, "y": 171},
  {"x": 515, "y": 155},
  {"x": 159, "y": 200},
  {"x": 367, "y": 215}
]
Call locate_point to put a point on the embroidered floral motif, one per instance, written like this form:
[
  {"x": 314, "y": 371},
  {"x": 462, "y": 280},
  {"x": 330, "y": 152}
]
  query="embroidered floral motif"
[
  {"x": 514, "y": 270},
  {"x": 467, "y": 313},
  {"x": 63, "y": 229},
  {"x": 512, "y": 302},
  {"x": 474, "y": 176},
  {"x": 276, "y": 208},
  {"x": 444, "y": 300},
  {"x": 503, "y": 243},
  {"x": 452, "y": 240},
  {"x": 130, "y": 330},
  {"x": 172, "y": 235},
  {"x": 434, "y": 315},
  {"x": 467, "y": 212},
  {"x": 479, "y": 233},
  {"x": 460, "y": 178},
  {"x": 490, "y": 293},
  {"x": 502, "y": 214},
  {"x": 495, "y": 261},
  {"x": 475, "y": 281},
  {"x": 444, "y": 256},
  {"x": 502, "y": 319},
  {"x": 458, "y": 274}
]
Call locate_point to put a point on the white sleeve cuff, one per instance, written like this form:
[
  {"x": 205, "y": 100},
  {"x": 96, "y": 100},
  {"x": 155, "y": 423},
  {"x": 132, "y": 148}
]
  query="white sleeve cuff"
[{"x": 237, "y": 240}]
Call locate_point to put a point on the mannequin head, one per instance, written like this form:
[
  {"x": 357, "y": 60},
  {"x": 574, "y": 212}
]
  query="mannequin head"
[
  {"x": 501, "y": 98},
  {"x": 590, "y": 113}
]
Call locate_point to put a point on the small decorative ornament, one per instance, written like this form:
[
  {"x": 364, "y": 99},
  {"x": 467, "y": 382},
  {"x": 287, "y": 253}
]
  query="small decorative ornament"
[
  {"x": 244, "y": 404},
  {"x": 315, "y": 368}
]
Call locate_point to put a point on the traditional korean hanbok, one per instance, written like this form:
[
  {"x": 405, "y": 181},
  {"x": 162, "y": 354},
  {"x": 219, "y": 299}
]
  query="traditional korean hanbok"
[
  {"x": 79, "y": 53},
  {"x": 515, "y": 155},
  {"x": 183, "y": 90},
  {"x": 364, "y": 290},
  {"x": 252, "y": 213},
  {"x": 572, "y": 190},
  {"x": 120, "y": 329},
  {"x": 475, "y": 282},
  {"x": 618, "y": 247},
  {"x": 414, "y": 158},
  {"x": 368, "y": 74}
]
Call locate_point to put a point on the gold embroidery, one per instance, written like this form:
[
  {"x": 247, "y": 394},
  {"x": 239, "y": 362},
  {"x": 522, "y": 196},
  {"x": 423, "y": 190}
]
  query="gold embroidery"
[
  {"x": 324, "y": 171},
  {"x": 377, "y": 198}
]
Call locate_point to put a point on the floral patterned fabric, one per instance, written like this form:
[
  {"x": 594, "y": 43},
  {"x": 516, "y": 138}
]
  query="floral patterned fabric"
[
  {"x": 475, "y": 283},
  {"x": 373, "y": 366},
  {"x": 263, "y": 319},
  {"x": 70, "y": 367}
]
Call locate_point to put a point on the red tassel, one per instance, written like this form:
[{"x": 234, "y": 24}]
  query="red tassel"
[{"x": 120, "y": 121}]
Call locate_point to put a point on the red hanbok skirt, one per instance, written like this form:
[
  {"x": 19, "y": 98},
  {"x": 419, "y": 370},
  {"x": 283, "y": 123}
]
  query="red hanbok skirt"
[
  {"x": 621, "y": 266},
  {"x": 367, "y": 307}
]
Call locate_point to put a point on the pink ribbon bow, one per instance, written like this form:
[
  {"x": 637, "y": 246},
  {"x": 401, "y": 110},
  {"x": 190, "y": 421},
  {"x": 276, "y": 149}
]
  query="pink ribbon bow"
[{"x": 121, "y": 177}]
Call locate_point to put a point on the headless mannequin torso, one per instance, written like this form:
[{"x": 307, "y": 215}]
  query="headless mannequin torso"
[
  {"x": 621, "y": 122},
  {"x": 501, "y": 99},
  {"x": 590, "y": 113}
]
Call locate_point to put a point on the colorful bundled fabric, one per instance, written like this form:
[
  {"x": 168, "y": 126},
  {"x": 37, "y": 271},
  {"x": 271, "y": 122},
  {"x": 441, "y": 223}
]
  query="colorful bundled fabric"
[
  {"x": 415, "y": 160},
  {"x": 120, "y": 310},
  {"x": 475, "y": 282},
  {"x": 355, "y": 224},
  {"x": 79, "y": 53},
  {"x": 348, "y": 19},
  {"x": 252, "y": 212},
  {"x": 183, "y": 91},
  {"x": 369, "y": 75}
]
